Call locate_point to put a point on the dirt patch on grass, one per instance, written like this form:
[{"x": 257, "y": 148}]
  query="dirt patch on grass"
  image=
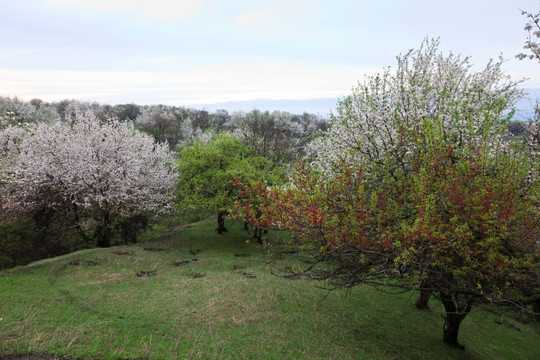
[
  {"x": 180, "y": 263},
  {"x": 152, "y": 248},
  {"x": 247, "y": 275},
  {"x": 33, "y": 356},
  {"x": 143, "y": 273},
  {"x": 121, "y": 252},
  {"x": 196, "y": 275},
  {"x": 84, "y": 263},
  {"x": 242, "y": 255}
]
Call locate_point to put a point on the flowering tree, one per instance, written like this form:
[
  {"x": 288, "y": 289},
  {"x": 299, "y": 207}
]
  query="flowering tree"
[
  {"x": 415, "y": 188},
  {"x": 382, "y": 115},
  {"x": 532, "y": 44},
  {"x": 207, "y": 172},
  {"x": 14, "y": 110},
  {"x": 382, "y": 118},
  {"x": 532, "y": 132},
  {"x": 103, "y": 176},
  {"x": 462, "y": 228}
]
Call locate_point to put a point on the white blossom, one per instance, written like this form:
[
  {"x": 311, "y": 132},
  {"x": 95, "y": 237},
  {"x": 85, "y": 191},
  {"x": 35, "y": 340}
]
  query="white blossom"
[
  {"x": 98, "y": 167},
  {"x": 426, "y": 85}
]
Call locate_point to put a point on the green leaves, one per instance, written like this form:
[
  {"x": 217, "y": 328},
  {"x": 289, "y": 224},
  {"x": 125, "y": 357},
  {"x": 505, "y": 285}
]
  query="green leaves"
[{"x": 207, "y": 172}]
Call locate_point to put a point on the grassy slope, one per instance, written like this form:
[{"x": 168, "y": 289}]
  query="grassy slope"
[{"x": 100, "y": 308}]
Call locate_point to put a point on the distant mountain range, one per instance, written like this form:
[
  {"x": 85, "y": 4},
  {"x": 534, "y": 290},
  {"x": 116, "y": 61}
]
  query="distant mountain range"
[{"x": 323, "y": 106}]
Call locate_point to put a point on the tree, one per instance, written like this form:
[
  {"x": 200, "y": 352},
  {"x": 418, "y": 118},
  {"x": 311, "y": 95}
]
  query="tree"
[
  {"x": 532, "y": 44},
  {"x": 207, "y": 172},
  {"x": 160, "y": 125},
  {"x": 381, "y": 114},
  {"x": 462, "y": 228},
  {"x": 126, "y": 111},
  {"x": 14, "y": 111},
  {"x": 416, "y": 188},
  {"x": 280, "y": 136},
  {"x": 105, "y": 177},
  {"x": 532, "y": 131},
  {"x": 381, "y": 118},
  {"x": 272, "y": 135}
]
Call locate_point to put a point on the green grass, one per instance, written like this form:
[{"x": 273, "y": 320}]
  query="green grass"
[{"x": 92, "y": 305}]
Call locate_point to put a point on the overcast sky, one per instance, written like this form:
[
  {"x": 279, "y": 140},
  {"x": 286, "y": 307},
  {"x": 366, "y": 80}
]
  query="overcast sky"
[{"x": 204, "y": 51}]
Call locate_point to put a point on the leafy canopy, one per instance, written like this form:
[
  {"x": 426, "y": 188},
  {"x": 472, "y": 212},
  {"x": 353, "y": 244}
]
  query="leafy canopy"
[
  {"x": 416, "y": 188},
  {"x": 207, "y": 172}
]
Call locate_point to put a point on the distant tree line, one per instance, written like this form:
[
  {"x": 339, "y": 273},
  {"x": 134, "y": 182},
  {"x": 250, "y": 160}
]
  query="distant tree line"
[{"x": 176, "y": 125}]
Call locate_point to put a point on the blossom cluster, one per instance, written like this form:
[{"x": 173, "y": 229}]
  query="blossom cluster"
[
  {"x": 384, "y": 115},
  {"x": 88, "y": 164}
]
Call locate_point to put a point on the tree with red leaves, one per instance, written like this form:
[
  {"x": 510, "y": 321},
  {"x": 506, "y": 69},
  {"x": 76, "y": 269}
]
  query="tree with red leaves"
[
  {"x": 415, "y": 187},
  {"x": 458, "y": 223}
]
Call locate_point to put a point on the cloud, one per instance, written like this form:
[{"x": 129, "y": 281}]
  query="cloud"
[
  {"x": 192, "y": 85},
  {"x": 276, "y": 13},
  {"x": 155, "y": 10},
  {"x": 256, "y": 17}
]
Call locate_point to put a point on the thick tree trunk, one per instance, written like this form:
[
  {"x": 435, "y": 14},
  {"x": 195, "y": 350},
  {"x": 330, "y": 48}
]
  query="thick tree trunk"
[
  {"x": 78, "y": 226},
  {"x": 246, "y": 225},
  {"x": 221, "y": 222},
  {"x": 451, "y": 330},
  {"x": 452, "y": 320}
]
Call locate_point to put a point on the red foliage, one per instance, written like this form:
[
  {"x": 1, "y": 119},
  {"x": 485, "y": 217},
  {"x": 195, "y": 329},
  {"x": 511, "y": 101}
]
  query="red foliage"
[{"x": 465, "y": 222}]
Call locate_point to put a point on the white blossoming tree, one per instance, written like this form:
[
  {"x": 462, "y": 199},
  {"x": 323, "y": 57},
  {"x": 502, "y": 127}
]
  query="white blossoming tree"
[
  {"x": 381, "y": 122},
  {"x": 532, "y": 44},
  {"x": 384, "y": 114},
  {"x": 106, "y": 177}
]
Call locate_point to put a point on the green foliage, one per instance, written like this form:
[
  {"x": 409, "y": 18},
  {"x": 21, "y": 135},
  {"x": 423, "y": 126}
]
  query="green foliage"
[
  {"x": 207, "y": 172},
  {"x": 459, "y": 222}
]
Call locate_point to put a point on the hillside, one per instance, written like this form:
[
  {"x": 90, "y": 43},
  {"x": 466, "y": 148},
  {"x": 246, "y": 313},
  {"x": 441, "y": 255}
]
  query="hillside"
[{"x": 190, "y": 293}]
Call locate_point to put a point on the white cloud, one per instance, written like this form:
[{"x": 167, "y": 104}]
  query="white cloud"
[
  {"x": 256, "y": 17},
  {"x": 276, "y": 13},
  {"x": 156, "y": 10},
  {"x": 193, "y": 85}
]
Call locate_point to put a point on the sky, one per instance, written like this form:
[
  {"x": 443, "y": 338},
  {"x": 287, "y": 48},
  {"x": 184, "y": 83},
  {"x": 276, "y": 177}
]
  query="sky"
[{"x": 206, "y": 51}]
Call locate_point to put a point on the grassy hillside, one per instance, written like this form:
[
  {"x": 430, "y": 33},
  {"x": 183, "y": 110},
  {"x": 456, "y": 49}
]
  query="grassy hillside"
[{"x": 191, "y": 293}]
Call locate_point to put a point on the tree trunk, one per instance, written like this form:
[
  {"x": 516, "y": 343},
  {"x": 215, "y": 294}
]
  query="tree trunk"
[
  {"x": 221, "y": 222},
  {"x": 452, "y": 320},
  {"x": 536, "y": 308},
  {"x": 78, "y": 226},
  {"x": 422, "y": 302},
  {"x": 103, "y": 232},
  {"x": 103, "y": 235},
  {"x": 246, "y": 225},
  {"x": 257, "y": 234}
]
